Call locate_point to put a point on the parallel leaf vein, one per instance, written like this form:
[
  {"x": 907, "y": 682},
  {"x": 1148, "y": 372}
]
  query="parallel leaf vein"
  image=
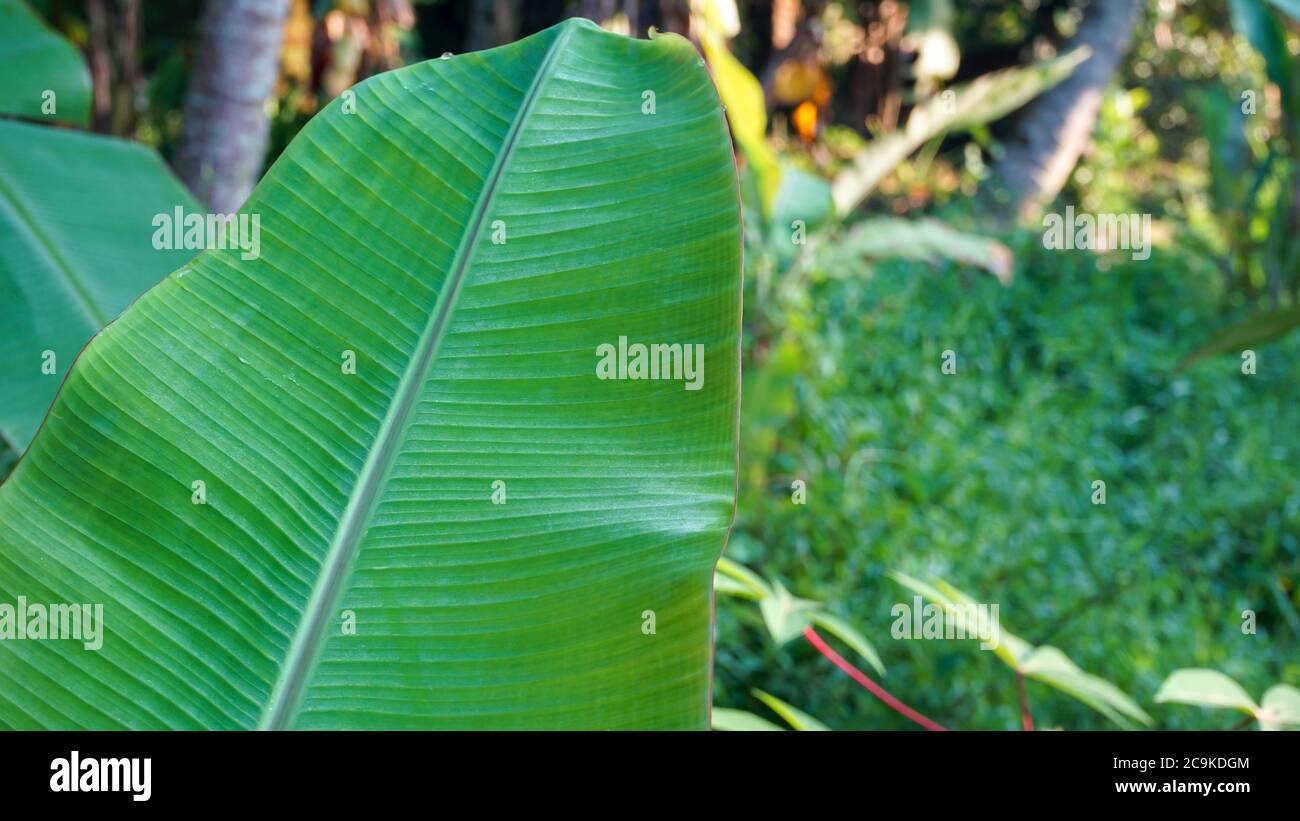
[{"x": 306, "y": 645}]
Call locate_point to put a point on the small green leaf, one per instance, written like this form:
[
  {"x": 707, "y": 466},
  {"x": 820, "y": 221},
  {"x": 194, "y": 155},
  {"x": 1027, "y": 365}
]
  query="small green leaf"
[
  {"x": 1257, "y": 330},
  {"x": 795, "y": 717},
  {"x": 846, "y": 633},
  {"x": 786, "y": 617},
  {"x": 1052, "y": 667},
  {"x": 1281, "y": 705},
  {"x": 1010, "y": 649},
  {"x": 740, "y": 721},
  {"x": 917, "y": 586},
  {"x": 1206, "y": 688},
  {"x": 743, "y": 575},
  {"x": 727, "y": 586},
  {"x": 1046, "y": 664}
]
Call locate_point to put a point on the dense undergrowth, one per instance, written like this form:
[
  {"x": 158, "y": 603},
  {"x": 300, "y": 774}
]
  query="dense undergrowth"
[{"x": 984, "y": 478}]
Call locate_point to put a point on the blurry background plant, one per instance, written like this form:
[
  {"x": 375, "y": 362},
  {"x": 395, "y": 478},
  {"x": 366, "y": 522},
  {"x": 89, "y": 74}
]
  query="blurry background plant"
[
  {"x": 883, "y": 145},
  {"x": 1278, "y": 709}
]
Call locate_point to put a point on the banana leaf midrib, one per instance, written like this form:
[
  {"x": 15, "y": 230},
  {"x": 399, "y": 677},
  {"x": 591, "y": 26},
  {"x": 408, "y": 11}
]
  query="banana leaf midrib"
[{"x": 300, "y": 660}]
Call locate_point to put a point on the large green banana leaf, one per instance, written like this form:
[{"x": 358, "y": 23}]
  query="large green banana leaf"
[
  {"x": 42, "y": 76},
  {"x": 76, "y": 246},
  {"x": 472, "y": 234}
]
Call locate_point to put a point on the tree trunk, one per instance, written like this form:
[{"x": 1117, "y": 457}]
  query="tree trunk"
[
  {"x": 114, "y": 68},
  {"x": 223, "y": 144},
  {"x": 1052, "y": 132}
]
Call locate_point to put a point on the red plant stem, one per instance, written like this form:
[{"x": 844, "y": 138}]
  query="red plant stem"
[
  {"x": 872, "y": 687},
  {"x": 1026, "y": 720}
]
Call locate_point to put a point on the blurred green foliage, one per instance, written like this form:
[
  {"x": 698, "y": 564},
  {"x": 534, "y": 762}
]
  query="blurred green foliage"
[{"x": 984, "y": 478}]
